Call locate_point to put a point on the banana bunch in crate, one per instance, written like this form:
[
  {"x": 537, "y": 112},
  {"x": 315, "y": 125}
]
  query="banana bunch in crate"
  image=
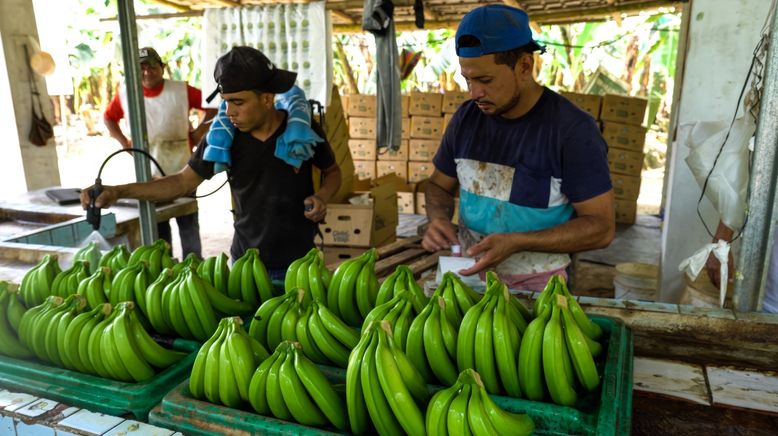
[
  {"x": 91, "y": 255},
  {"x": 432, "y": 343},
  {"x": 400, "y": 313},
  {"x": 36, "y": 283},
  {"x": 67, "y": 281},
  {"x": 384, "y": 390},
  {"x": 224, "y": 365},
  {"x": 11, "y": 312},
  {"x": 216, "y": 271},
  {"x": 249, "y": 281},
  {"x": 110, "y": 343},
  {"x": 96, "y": 287},
  {"x": 116, "y": 258},
  {"x": 401, "y": 279},
  {"x": 353, "y": 289},
  {"x": 157, "y": 257},
  {"x": 466, "y": 408},
  {"x": 324, "y": 337},
  {"x": 458, "y": 296},
  {"x": 559, "y": 347},
  {"x": 310, "y": 274},
  {"x": 289, "y": 386}
]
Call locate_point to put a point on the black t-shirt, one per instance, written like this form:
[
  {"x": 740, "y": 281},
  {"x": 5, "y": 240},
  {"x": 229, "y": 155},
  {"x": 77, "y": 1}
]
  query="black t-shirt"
[{"x": 269, "y": 197}]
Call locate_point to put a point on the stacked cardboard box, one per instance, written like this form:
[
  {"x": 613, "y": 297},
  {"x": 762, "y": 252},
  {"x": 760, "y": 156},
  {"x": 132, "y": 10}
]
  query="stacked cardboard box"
[{"x": 621, "y": 119}]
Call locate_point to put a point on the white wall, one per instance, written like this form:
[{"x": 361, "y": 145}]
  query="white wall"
[{"x": 722, "y": 37}]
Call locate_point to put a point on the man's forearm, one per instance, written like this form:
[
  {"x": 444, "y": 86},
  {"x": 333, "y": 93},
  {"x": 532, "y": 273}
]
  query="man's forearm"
[
  {"x": 579, "y": 234},
  {"x": 116, "y": 132},
  {"x": 157, "y": 190},
  {"x": 439, "y": 202}
]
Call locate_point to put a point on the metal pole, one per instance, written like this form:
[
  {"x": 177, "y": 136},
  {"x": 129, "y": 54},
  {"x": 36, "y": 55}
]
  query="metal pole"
[
  {"x": 137, "y": 116},
  {"x": 757, "y": 247}
]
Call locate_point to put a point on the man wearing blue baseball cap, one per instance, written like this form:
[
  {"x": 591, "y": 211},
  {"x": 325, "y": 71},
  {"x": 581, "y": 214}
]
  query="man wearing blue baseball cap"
[{"x": 531, "y": 168}]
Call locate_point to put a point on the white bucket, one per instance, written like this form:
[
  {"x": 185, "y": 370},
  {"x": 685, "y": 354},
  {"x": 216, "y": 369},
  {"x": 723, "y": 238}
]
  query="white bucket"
[{"x": 636, "y": 281}]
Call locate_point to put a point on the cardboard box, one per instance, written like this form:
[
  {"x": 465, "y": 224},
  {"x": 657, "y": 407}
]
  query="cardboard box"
[
  {"x": 452, "y": 100},
  {"x": 425, "y": 103},
  {"x": 423, "y": 150},
  {"x": 626, "y": 211},
  {"x": 621, "y": 109},
  {"x": 624, "y": 136},
  {"x": 421, "y": 203},
  {"x": 363, "y": 225},
  {"x": 406, "y": 202},
  {"x": 386, "y": 167},
  {"x": 426, "y": 127},
  {"x": 418, "y": 171},
  {"x": 364, "y": 169},
  {"x": 361, "y": 105},
  {"x": 362, "y": 128},
  {"x": 625, "y": 187},
  {"x": 400, "y": 155},
  {"x": 586, "y": 102},
  {"x": 344, "y": 103},
  {"x": 362, "y": 149},
  {"x": 406, "y": 122},
  {"x": 625, "y": 161},
  {"x": 405, "y": 105}
]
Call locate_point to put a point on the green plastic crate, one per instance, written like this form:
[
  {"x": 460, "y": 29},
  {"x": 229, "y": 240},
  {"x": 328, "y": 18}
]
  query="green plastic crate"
[
  {"x": 96, "y": 393},
  {"x": 606, "y": 411}
]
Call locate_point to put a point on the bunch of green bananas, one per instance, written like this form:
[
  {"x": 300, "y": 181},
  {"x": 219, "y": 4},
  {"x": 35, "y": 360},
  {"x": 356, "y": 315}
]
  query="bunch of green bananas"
[
  {"x": 309, "y": 273},
  {"x": 157, "y": 255},
  {"x": 383, "y": 386},
  {"x": 558, "y": 349},
  {"x": 96, "y": 287},
  {"x": 90, "y": 254},
  {"x": 459, "y": 297},
  {"x": 11, "y": 312},
  {"x": 466, "y": 408},
  {"x": 249, "y": 280},
  {"x": 216, "y": 271},
  {"x": 39, "y": 330},
  {"x": 432, "y": 343},
  {"x": 353, "y": 289},
  {"x": 130, "y": 284},
  {"x": 224, "y": 365},
  {"x": 67, "y": 281},
  {"x": 402, "y": 279},
  {"x": 116, "y": 258},
  {"x": 289, "y": 386},
  {"x": 191, "y": 260},
  {"x": 490, "y": 337},
  {"x": 399, "y": 311},
  {"x": 36, "y": 283}
]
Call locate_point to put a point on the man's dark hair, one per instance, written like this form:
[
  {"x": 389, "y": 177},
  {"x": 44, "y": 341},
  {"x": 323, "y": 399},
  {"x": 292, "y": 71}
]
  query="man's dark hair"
[{"x": 509, "y": 58}]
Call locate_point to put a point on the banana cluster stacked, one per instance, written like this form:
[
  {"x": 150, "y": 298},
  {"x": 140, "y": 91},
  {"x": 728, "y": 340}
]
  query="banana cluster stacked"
[
  {"x": 353, "y": 289},
  {"x": 91, "y": 255},
  {"x": 11, "y": 312},
  {"x": 224, "y": 365},
  {"x": 248, "y": 280},
  {"x": 399, "y": 311},
  {"x": 103, "y": 341},
  {"x": 36, "y": 283},
  {"x": 325, "y": 338},
  {"x": 432, "y": 343},
  {"x": 466, "y": 408},
  {"x": 116, "y": 258},
  {"x": 458, "y": 296},
  {"x": 216, "y": 271},
  {"x": 490, "y": 336},
  {"x": 384, "y": 390},
  {"x": 401, "y": 279},
  {"x": 130, "y": 284},
  {"x": 310, "y": 274},
  {"x": 559, "y": 346},
  {"x": 157, "y": 256},
  {"x": 96, "y": 287},
  {"x": 289, "y": 386},
  {"x": 67, "y": 281}
]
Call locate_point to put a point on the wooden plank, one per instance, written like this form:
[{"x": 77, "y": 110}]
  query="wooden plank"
[
  {"x": 671, "y": 378},
  {"x": 386, "y": 266},
  {"x": 750, "y": 390},
  {"x": 397, "y": 246},
  {"x": 428, "y": 262}
]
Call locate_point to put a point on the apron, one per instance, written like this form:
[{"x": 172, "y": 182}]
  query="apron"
[{"x": 167, "y": 126}]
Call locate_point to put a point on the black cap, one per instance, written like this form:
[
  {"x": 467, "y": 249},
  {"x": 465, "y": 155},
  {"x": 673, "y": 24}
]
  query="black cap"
[
  {"x": 148, "y": 54},
  {"x": 246, "y": 68}
]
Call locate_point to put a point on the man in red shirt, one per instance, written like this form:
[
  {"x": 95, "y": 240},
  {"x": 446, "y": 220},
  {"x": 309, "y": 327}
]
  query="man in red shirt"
[{"x": 170, "y": 136}]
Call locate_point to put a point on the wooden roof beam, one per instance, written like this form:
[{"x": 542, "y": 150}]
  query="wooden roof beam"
[{"x": 343, "y": 16}]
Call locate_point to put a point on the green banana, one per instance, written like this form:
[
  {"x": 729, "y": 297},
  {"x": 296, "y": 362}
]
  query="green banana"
[
  {"x": 379, "y": 410},
  {"x": 504, "y": 354},
  {"x": 234, "y": 283},
  {"x": 477, "y": 418},
  {"x": 554, "y": 355},
  {"x": 275, "y": 395},
  {"x": 437, "y": 410},
  {"x": 303, "y": 336},
  {"x": 346, "y": 292},
  {"x": 154, "y": 312},
  {"x": 261, "y": 319},
  {"x": 336, "y": 352},
  {"x": 221, "y": 273},
  {"x": 229, "y": 394},
  {"x": 506, "y": 423},
  {"x": 302, "y": 408},
  {"x": 212, "y": 368},
  {"x": 316, "y": 285},
  {"x": 244, "y": 362},
  {"x": 411, "y": 376},
  {"x": 466, "y": 338},
  {"x": 530, "y": 359},
  {"x": 355, "y": 397},
  {"x": 155, "y": 354},
  {"x": 414, "y": 344},
  {"x": 439, "y": 361},
  {"x": 262, "y": 279},
  {"x": 10, "y": 345},
  {"x": 257, "y": 392},
  {"x": 456, "y": 418},
  {"x": 320, "y": 391},
  {"x": 128, "y": 350},
  {"x": 197, "y": 376},
  {"x": 249, "y": 291},
  {"x": 14, "y": 310},
  {"x": 89, "y": 254},
  {"x": 581, "y": 357},
  {"x": 336, "y": 327}
]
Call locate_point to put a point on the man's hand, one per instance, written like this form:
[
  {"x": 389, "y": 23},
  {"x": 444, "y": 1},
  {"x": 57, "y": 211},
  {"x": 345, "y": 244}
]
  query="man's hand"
[
  {"x": 107, "y": 197},
  {"x": 440, "y": 235},
  {"x": 492, "y": 249},
  {"x": 315, "y": 208}
]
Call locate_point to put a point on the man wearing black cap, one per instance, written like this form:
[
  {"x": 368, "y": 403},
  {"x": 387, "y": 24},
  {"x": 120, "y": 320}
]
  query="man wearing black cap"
[
  {"x": 167, "y": 104},
  {"x": 276, "y": 208},
  {"x": 531, "y": 168}
]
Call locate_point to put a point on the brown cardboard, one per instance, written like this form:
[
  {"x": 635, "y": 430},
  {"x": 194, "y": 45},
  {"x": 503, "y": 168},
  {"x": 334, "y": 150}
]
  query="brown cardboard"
[
  {"x": 627, "y": 110},
  {"x": 426, "y": 127},
  {"x": 423, "y": 150},
  {"x": 405, "y": 105},
  {"x": 586, "y": 102},
  {"x": 626, "y": 211},
  {"x": 386, "y": 167},
  {"x": 625, "y": 187},
  {"x": 626, "y": 162},
  {"x": 361, "y": 105},
  {"x": 401, "y": 154},
  {"x": 362, "y": 149},
  {"x": 624, "y": 136},
  {"x": 418, "y": 171},
  {"x": 421, "y": 203},
  {"x": 364, "y": 225},
  {"x": 344, "y": 103},
  {"x": 363, "y": 128},
  {"x": 406, "y": 202},
  {"x": 364, "y": 169},
  {"x": 406, "y": 128},
  {"x": 452, "y": 100},
  {"x": 426, "y": 103}
]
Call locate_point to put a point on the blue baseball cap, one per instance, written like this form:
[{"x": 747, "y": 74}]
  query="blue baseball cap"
[{"x": 497, "y": 27}]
